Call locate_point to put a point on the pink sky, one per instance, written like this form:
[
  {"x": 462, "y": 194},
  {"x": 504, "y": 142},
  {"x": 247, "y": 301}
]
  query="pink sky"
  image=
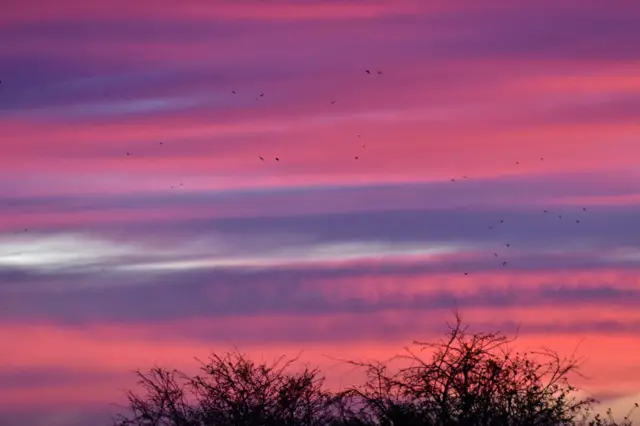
[{"x": 111, "y": 262}]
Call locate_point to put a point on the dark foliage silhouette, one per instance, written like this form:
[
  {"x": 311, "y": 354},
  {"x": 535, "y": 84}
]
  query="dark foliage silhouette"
[
  {"x": 467, "y": 379},
  {"x": 232, "y": 390},
  {"x": 474, "y": 379}
]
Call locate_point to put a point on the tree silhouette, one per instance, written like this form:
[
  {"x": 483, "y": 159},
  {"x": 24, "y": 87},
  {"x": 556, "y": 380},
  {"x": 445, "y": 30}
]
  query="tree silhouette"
[
  {"x": 468, "y": 379},
  {"x": 232, "y": 390},
  {"x": 474, "y": 379}
]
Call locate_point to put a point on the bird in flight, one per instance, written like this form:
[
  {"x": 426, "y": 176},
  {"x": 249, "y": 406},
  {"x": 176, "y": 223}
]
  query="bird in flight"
[
  {"x": 367, "y": 71},
  {"x": 277, "y": 159},
  {"x": 233, "y": 91},
  {"x": 261, "y": 158}
]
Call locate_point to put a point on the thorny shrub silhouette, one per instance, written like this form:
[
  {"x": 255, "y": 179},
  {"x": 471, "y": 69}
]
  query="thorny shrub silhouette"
[
  {"x": 232, "y": 391},
  {"x": 470, "y": 379}
]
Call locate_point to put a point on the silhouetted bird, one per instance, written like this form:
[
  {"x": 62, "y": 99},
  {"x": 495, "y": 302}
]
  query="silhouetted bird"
[
  {"x": 261, "y": 158},
  {"x": 584, "y": 209},
  {"x": 508, "y": 245},
  {"x": 233, "y": 91},
  {"x": 356, "y": 158},
  {"x": 560, "y": 216},
  {"x": 128, "y": 153},
  {"x": 262, "y": 95},
  {"x": 501, "y": 220},
  {"x": 504, "y": 263},
  {"x": 495, "y": 254},
  {"x": 545, "y": 210},
  {"x": 277, "y": 159},
  {"x": 577, "y": 221},
  {"x": 367, "y": 71},
  {"x": 466, "y": 273},
  {"x": 333, "y": 102}
]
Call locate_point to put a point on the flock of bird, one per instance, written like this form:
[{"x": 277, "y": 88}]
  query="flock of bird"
[
  {"x": 508, "y": 245},
  {"x": 504, "y": 263},
  {"x": 277, "y": 159}
]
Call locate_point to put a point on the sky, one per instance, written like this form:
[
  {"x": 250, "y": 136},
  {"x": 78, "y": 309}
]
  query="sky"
[{"x": 139, "y": 226}]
